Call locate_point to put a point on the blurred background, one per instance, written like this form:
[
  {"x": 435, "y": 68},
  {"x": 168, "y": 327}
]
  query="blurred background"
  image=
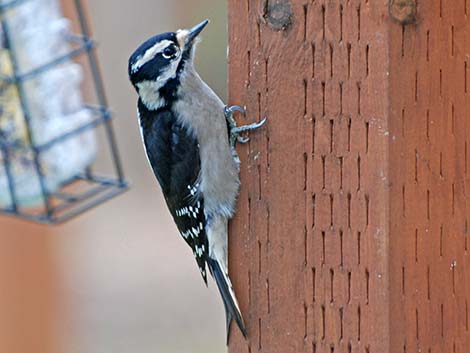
[{"x": 119, "y": 279}]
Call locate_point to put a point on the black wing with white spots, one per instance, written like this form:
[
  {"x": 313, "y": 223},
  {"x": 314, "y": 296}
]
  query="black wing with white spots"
[{"x": 173, "y": 154}]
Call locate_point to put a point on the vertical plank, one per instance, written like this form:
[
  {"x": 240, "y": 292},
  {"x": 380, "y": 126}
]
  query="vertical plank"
[
  {"x": 29, "y": 301},
  {"x": 429, "y": 214}
]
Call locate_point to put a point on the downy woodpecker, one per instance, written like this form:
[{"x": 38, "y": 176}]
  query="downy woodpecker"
[{"x": 189, "y": 137}]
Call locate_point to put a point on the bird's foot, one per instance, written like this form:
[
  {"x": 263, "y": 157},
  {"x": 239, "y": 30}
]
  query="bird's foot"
[{"x": 236, "y": 131}]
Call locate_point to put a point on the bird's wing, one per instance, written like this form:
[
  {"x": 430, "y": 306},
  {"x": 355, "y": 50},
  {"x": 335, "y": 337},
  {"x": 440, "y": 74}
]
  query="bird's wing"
[{"x": 174, "y": 156}]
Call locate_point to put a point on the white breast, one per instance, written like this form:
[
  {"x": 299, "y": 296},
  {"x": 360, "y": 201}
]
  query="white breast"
[{"x": 202, "y": 112}]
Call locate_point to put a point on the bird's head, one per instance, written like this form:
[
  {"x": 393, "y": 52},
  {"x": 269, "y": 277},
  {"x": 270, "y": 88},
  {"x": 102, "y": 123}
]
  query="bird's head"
[{"x": 158, "y": 62}]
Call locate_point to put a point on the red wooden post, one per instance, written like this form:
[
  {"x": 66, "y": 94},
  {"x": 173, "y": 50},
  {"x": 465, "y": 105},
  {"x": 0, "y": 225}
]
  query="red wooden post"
[
  {"x": 429, "y": 173},
  {"x": 351, "y": 232}
]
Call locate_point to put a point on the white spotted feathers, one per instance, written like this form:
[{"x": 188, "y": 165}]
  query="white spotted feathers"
[
  {"x": 193, "y": 232},
  {"x": 191, "y": 211},
  {"x": 192, "y": 220}
]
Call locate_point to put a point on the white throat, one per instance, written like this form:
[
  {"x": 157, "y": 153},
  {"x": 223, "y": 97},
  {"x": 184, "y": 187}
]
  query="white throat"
[{"x": 149, "y": 94}]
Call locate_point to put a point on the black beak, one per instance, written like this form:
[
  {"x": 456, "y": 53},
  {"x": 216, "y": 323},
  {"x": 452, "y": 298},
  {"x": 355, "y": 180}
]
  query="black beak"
[{"x": 194, "y": 32}]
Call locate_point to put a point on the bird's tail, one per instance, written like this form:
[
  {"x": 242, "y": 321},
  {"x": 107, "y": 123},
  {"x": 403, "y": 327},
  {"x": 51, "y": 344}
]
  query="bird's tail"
[{"x": 232, "y": 310}]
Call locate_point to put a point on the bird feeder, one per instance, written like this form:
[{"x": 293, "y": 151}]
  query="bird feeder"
[{"x": 49, "y": 120}]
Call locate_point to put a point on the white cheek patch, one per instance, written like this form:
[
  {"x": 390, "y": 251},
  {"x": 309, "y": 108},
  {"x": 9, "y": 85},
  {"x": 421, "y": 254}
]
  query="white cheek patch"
[
  {"x": 148, "y": 92},
  {"x": 150, "y": 54}
]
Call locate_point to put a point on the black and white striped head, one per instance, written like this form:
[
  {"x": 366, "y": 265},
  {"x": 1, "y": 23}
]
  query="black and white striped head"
[{"x": 157, "y": 64}]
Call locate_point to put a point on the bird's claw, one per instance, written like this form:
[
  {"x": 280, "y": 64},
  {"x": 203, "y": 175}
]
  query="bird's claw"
[
  {"x": 234, "y": 108},
  {"x": 236, "y": 131},
  {"x": 243, "y": 139}
]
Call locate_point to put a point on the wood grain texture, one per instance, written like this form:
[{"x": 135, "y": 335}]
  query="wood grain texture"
[
  {"x": 429, "y": 156},
  {"x": 309, "y": 245}
]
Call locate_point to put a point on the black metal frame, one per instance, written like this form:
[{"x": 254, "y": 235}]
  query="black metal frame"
[{"x": 62, "y": 205}]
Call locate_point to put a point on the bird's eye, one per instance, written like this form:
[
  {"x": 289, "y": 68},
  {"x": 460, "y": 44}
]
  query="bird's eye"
[{"x": 169, "y": 52}]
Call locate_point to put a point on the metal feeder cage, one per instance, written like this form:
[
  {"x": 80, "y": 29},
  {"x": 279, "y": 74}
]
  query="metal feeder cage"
[{"x": 85, "y": 188}]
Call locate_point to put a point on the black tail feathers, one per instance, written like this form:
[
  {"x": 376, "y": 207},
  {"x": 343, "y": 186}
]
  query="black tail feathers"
[{"x": 232, "y": 311}]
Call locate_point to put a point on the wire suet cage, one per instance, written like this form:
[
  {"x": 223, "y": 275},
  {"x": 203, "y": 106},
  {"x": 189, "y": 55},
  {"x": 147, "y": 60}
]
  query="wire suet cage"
[{"x": 50, "y": 177}]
